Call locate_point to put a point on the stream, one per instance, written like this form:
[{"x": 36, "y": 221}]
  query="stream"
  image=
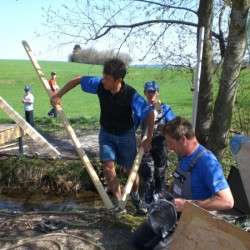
[{"x": 22, "y": 201}]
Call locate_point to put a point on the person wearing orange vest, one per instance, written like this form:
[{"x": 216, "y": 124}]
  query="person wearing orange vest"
[{"x": 54, "y": 87}]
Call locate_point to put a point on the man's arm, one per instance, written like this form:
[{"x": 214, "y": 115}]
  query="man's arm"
[
  {"x": 29, "y": 100},
  {"x": 221, "y": 200},
  {"x": 56, "y": 99},
  {"x": 146, "y": 144}
]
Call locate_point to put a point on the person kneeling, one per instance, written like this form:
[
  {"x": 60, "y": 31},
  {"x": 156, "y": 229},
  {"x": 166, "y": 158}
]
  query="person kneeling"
[{"x": 198, "y": 178}]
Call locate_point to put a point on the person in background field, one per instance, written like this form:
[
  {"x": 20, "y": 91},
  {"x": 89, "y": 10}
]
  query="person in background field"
[
  {"x": 117, "y": 141},
  {"x": 198, "y": 178},
  {"x": 154, "y": 163},
  {"x": 28, "y": 101},
  {"x": 54, "y": 87}
]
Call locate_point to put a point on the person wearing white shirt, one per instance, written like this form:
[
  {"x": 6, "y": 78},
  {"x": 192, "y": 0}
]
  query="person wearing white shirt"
[{"x": 28, "y": 101}]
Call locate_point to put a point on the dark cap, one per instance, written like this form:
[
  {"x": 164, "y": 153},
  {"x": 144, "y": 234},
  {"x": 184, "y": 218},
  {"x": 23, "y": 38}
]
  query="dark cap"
[{"x": 53, "y": 73}]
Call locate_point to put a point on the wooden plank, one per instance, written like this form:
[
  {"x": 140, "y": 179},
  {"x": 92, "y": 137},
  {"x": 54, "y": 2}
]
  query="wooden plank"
[
  {"x": 9, "y": 132},
  {"x": 84, "y": 158},
  {"x": 9, "y": 145},
  {"x": 199, "y": 229},
  {"x": 8, "y": 148},
  {"x": 131, "y": 178},
  {"x": 27, "y": 128},
  {"x": 135, "y": 167}
]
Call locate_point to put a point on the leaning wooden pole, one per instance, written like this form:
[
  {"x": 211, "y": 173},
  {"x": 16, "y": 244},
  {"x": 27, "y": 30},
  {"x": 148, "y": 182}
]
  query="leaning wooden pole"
[
  {"x": 107, "y": 202},
  {"x": 135, "y": 167},
  {"x": 132, "y": 177}
]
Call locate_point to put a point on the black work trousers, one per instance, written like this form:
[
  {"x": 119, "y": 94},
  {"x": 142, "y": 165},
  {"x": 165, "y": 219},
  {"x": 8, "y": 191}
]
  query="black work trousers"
[{"x": 153, "y": 167}]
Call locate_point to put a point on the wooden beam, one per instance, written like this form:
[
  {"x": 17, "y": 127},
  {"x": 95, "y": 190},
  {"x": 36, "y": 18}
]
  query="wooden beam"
[
  {"x": 27, "y": 128},
  {"x": 136, "y": 165},
  {"x": 84, "y": 158},
  {"x": 9, "y": 132}
]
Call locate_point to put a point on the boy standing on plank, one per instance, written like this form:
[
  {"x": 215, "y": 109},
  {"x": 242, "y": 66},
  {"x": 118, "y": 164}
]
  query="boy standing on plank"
[{"x": 117, "y": 142}]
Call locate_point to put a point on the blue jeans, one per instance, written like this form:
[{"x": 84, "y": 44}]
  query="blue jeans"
[{"x": 119, "y": 148}]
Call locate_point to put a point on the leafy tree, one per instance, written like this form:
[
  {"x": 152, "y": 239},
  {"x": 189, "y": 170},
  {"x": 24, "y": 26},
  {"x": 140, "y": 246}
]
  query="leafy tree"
[{"x": 166, "y": 31}]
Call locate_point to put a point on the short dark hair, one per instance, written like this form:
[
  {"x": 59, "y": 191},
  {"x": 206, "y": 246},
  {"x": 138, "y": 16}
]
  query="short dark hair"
[
  {"x": 115, "y": 67},
  {"x": 179, "y": 127}
]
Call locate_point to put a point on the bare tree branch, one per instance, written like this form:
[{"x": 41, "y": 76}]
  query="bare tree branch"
[{"x": 167, "y": 6}]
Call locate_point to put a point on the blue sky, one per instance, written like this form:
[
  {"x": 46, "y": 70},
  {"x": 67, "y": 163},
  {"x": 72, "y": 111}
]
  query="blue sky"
[{"x": 19, "y": 21}]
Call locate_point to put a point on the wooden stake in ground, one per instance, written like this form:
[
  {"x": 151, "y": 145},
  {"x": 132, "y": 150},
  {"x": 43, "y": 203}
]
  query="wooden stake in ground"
[
  {"x": 107, "y": 202},
  {"x": 134, "y": 170}
]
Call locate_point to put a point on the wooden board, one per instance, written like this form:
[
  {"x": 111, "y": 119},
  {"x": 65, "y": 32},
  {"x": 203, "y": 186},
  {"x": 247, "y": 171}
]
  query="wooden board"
[
  {"x": 27, "y": 128},
  {"x": 9, "y": 132},
  {"x": 84, "y": 158},
  {"x": 135, "y": 167},
  {"x": 198, "y": 229}
]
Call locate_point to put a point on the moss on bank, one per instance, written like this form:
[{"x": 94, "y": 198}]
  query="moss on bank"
[{"x": 52, "y": 175}]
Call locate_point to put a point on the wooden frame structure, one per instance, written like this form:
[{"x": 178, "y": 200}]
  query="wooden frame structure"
[{"x": 26, "y": 128}]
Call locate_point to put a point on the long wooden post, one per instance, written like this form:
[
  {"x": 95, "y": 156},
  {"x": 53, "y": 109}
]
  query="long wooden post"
[
  {"x": 132, "y": 176},
  {"x": 71, "y": 133},
  {"x": 134, "y": 170}
]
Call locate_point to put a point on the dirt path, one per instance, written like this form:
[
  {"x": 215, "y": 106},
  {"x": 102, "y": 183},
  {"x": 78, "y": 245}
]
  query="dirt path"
[
  {"x": 89, "y": 229},
  {"x": 61, "y": 141}
]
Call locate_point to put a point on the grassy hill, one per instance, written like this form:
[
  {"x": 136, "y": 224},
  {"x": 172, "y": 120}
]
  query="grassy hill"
[
  {"x": 82, "y": 109},
  {"x": 15, "y": 74}
]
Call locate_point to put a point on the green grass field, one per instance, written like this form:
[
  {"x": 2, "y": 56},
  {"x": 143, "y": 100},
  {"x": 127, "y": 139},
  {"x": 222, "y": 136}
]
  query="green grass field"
[
  {"x": 82, "y": 109},
  {"x": 15, "y": 74}
]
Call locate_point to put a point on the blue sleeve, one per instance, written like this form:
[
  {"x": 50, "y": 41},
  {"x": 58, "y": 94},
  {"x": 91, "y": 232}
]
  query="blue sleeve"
[
  {"x": 211, "y": 171},
  {"x": 169, "y": 114},
  {"x": 90, "y": 84},
  {"x": 140, "y": 107}
]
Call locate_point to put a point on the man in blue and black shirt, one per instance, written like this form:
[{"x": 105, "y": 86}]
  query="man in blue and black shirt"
[{"x": 118, "y": 102}]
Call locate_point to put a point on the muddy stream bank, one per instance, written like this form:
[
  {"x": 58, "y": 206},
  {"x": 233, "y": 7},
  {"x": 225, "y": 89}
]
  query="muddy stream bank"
[{"x": 31, "y": 219}]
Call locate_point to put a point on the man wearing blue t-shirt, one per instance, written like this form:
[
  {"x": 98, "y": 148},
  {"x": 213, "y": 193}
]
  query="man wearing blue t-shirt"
[
  {"x": 198, "y": 178},
  {"x": 118, "y": 101}
]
